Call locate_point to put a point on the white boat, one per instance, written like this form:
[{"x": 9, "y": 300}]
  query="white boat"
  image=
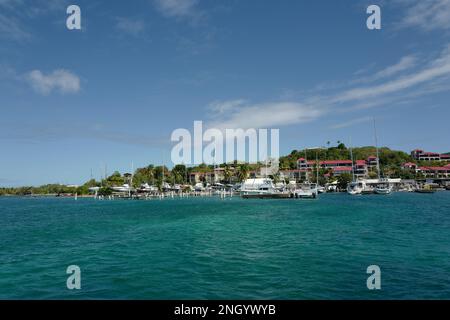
[
  {"x": 307, "y": 190},
  {"x": 321, "y": 189},
  {"x": 355, "y": 188},
  {"x": 124, "y": 188},
  {"x": 261, "y": 188},
  {"x": 147, "y": 188},
  {"x": 383, "y": 188},
  {"x": 199, "y": 187}
]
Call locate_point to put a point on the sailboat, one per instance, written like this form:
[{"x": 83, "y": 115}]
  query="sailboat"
[
  {"x": 307, "y": 189},
  {"x": 354, "y": 187},
  {"x": 383, "y": 187}
]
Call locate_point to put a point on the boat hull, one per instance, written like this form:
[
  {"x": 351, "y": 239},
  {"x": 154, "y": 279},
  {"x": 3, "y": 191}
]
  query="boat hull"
[
  {"x": 425, "y": 191},
  {"x": 266, "y": 196}
]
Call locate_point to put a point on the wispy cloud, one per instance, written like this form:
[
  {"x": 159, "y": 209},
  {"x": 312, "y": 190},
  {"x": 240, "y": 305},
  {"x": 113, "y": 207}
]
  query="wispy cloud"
[
  {"x": 177, "y": 8},
  {"x": 15, "y": 16},
  {"x": 435, "y": 69},
  {"x": 427, "y": 15},
  {"x": 264, "y": 115},
  {"x": 351, "y": 123},
  {"x": 60, "y": 80},
  {"x": 223, "y": 107},
  {"x": 432, "y": 78},
  {"x": 133, "y": 27},
  {"x": 12, "y": 29},
  {"x": 404, "y": 64}
]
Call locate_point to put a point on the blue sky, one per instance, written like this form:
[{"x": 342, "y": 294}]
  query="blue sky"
[{"x": 112, "y": 93}]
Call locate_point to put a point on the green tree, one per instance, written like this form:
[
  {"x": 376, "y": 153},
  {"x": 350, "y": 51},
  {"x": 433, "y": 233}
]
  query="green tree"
[
  {"x": 343, "y": 180},
  {"x": 227, "y": 173},
  {"x": 179, "y": 173},
  {"x": 243, "y": 172}
]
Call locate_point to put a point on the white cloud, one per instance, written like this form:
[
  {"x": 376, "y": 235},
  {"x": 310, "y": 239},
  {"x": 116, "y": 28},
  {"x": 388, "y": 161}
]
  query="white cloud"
[
  {"x": 265, "y": 115},
  {"x": 15, "y": 16},
  {"x": 221, "y": 107},
  {"x": 432, "y": 78},
  {"x": 59, "y": 80},
  {"x": 176, "y": 8},
  {"x": 437, "y": 68},
  {"x": 404, "y": 64},
  {"x": 130, "y": 26},
  {"x": 351, "y": 123},
  {"x": 12, "y": 29},
  {"x": 427, "y": 15}
]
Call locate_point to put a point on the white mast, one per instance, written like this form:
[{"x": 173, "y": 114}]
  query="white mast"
[
  {"x": 376, "y": 146},
  {"x": 353, "y": 163},
  {"x": 317, "y": 168},
  {"x": 131, "y": 181}
]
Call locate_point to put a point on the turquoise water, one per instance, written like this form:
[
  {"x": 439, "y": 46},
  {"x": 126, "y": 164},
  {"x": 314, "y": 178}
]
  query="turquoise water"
[{"x": 207, "y": 248}]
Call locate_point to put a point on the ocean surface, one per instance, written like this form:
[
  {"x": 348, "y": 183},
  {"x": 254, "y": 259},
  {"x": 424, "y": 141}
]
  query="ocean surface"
[{"x": 208, "y": 248}]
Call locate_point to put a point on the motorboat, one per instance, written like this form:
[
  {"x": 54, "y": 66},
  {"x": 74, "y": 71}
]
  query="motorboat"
[
  {"x": 145, "y": 187},
  {"x": 123, "y": 188},
  {"x": 306, "y": 191},
  {"x": 261, "y": 188},
  {"x": 383, "y": 188},
  {"x": 355, "y": 188}
]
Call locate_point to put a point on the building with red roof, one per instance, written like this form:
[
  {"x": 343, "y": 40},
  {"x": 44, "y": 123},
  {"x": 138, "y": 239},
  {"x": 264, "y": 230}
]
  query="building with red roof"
[
  {"x": 337, "y": 166},
  {"x": 435, "y": 172},
  {"x": 421, "y": 155},
  {"x": 409, "y": 166}
]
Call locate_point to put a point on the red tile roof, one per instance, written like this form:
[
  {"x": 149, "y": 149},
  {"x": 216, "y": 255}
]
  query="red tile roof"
[
  {"x": 409, "y": 164},
  {"x": 342, "y": 169},
  {"x": 360, "y": 162},
  {"x": 429, "y": 154},
  {"x": 336, "y": 162},
  {"x": 435, "y": 169}
]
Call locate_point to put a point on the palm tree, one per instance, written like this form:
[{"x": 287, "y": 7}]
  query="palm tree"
[
  {"x": 243, "y": 172},
  {"x": 227, "y": 173}
]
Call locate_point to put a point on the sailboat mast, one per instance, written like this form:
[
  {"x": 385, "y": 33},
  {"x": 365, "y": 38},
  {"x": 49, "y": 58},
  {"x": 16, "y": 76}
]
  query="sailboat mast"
[
  {"x": 306, "y": 161},
  {"x": 132, "y": 176},
  {"x": 317, "y": 167},
  {"x": 353, "y": 163},
  {"x": 376, "y": 146}
]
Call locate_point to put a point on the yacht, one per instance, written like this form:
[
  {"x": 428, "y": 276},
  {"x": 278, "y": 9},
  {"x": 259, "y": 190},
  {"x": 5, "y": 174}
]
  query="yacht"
[
  {"x": 307, "y": 190},
  {"x": 123, "y": 188},
  {"x": 261, "y": 188},
  {"x": 384, "y": 187},
  {"x": 355, "y": 188},
  {"x": 147, "y": 188}
]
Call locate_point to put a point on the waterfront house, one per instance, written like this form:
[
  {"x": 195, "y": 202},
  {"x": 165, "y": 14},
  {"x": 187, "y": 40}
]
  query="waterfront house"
[
  {"x": 361, "y": 169},
  {"x": 211, "y": 176},
  {"x": 372, "y": 161},
  {"x": 409, "y": 166},
  {"x": 421, "y": 155},
  {"x": 337, "y": 167},
  {"x": 337, "y": 171},
  {"x": 435, "y": 172}
]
